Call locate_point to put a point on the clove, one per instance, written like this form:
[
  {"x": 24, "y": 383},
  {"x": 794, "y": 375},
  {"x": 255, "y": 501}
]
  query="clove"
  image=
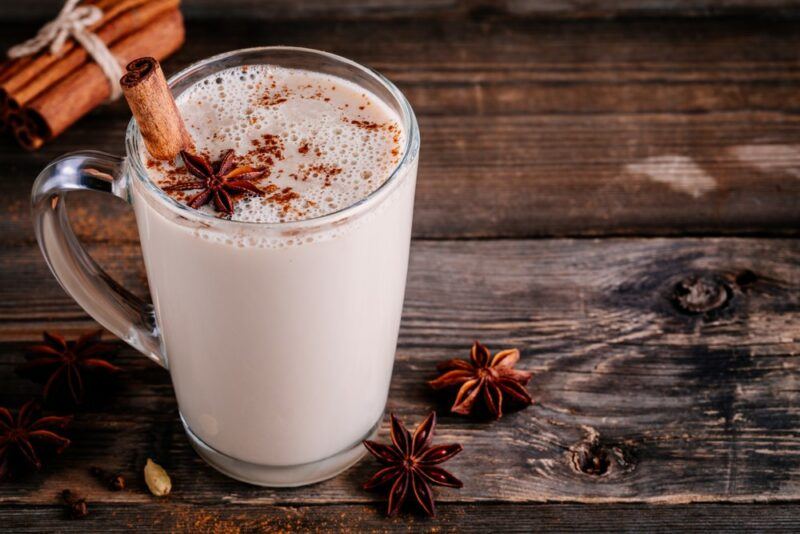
[
  {"x": 76, "y": 506},
  {"x": 114, "y": 482}
]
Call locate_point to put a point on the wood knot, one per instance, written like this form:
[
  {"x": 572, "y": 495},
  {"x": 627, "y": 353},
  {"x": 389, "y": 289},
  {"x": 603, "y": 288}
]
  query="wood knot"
[
  {"x": 592, "y": 459},
  {"x": 596, "y": 457},
  {"x": 697, "y": 294},
  {"x": 746, "y": 279}
]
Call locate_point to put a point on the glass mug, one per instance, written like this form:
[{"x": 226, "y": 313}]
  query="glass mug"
[{"x": 279, "y": 337}]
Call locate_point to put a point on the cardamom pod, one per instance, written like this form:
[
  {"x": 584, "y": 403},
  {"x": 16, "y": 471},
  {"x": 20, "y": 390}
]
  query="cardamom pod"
[{"x": 157, "y": 480}]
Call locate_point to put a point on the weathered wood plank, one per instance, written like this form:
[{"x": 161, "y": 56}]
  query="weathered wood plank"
[
  {"x": 681, "y": 408},
  {"x": 176, "y": 515},
  {"x": 361, "y": 9},
  {"x": 560, "y": 129},
  {"x": 532, "y": 180}
]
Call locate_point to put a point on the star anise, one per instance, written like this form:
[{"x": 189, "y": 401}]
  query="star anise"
[
  {"x": 490, "y": 379},
  {"x": 21, "y": 436},
  {"x": 218, "y": 181},
  {"x": 411, "y": 465},
  {"x": 60, "y": 363}
]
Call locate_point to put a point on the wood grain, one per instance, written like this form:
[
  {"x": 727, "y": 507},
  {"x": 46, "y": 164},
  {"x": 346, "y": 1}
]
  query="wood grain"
[
  {"x": 568, "y": 128},
  {"x": 385, "y": 9},
  {"x": 178, "y": 516},
  {"x": 530, "y": 128},
  {"x": 680, "y": 408}
]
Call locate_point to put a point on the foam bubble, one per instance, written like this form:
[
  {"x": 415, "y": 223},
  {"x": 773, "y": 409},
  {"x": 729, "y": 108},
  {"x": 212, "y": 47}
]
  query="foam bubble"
[{"x": 326, "y": 142}]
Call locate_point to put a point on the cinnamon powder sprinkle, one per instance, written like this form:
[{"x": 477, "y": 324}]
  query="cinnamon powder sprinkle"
[
  {"x": 319, "y": 170},
  {"x": 267, "y": 147},
  {"x": 306, "y": 147},
  {"x": 273, "y": 98},
  {"x": 367, "y": 125},
  {"x": 284, "y": 198}
]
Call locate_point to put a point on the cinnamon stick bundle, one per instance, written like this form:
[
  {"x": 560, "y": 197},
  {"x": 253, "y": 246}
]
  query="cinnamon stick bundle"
[
  {"x": 47, "y": 69},
  {"x": 53, "y": 110},
  {"x": 30, "y": 78},
  {"x": 26, "y": 68},
  {"x": 22, "y": 69}
]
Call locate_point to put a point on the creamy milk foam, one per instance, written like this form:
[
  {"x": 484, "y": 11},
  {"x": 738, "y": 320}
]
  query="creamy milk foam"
[
  {"x": 325, "y": 142},
  {"x": 281, "y": 342}
]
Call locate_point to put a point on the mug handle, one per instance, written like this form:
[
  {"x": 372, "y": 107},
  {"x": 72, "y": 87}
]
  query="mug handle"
[{"x": 120, "y": 311}]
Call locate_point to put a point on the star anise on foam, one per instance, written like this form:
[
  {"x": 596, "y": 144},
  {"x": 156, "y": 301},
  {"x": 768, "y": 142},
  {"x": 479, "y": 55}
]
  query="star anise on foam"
[
  {"x": 63, "y": 364},
  {"x": 411, "y": 465},
  {"x": 218, "y": 181},
  {"x": 22, "y": 437},
  {"x": 492, "y": 379}
]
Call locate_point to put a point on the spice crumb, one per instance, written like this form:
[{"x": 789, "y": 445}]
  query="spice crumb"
[{"x": 76, "y": 506}]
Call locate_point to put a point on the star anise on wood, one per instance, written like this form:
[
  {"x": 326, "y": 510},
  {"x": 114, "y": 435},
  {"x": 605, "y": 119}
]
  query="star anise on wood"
[
  {"x": 411, "y": 465},
  {"x": 492, "y": 379},
  {"x": 218, "y": 181},
  {"x": 62, "y": 365},
  {"x": 22, "y": 436}
]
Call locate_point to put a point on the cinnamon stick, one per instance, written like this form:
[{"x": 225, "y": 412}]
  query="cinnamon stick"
[
  {"x": 24, "y": 132},
  {"x": 46, "y": 69},
  {"x": 66, "y": 101},
  {"x": 145, "y": 88},
  {"x": 11, "y": 120},
  {"x": 10, "y": 68},
  {"x": 3, "y": 113},
  {"x": 16, "y": 66}
]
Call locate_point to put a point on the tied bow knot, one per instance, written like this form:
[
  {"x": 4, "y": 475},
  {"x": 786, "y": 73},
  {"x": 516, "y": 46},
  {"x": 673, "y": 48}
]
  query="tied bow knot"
[{"x": 73, "y": 21}]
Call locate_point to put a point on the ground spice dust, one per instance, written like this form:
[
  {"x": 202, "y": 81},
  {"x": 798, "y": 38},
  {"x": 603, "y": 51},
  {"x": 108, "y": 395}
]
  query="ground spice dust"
[
  {"x": 266, "y": 148},
  {"x": 274, "y": 519},
  {"x": 305, "y": 148},
  {"x": 392, "y": 128},
  {"x": 284, "y": 199},
  {"x": 367, "y": 125},
  {"x": 318, "y": 170},
  {"x": 274, "y": 96},
  {"x": 319, "y": 95},
  {"x": 266, "y": 151}
]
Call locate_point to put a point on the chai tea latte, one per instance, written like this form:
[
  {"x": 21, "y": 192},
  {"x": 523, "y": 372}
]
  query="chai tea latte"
[
  {"x": 324, "y": 143},
  {"x": 279, "y": 332}
]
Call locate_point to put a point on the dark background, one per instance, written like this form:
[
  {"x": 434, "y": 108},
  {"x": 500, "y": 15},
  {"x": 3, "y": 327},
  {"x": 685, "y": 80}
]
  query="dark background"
[{"x": 567, "y": 9}]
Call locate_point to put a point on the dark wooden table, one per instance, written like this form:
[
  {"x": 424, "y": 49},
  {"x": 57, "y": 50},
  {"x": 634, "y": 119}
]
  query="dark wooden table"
[{"x": 575, "y": 170}]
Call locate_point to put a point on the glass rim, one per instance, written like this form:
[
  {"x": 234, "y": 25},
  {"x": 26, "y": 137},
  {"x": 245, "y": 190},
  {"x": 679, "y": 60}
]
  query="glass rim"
[{"x": 408, "y": 118}]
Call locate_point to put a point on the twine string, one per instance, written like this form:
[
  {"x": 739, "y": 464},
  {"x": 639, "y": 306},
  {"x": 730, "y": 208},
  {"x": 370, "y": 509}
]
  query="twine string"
[{"x": 72, "y": 21}]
